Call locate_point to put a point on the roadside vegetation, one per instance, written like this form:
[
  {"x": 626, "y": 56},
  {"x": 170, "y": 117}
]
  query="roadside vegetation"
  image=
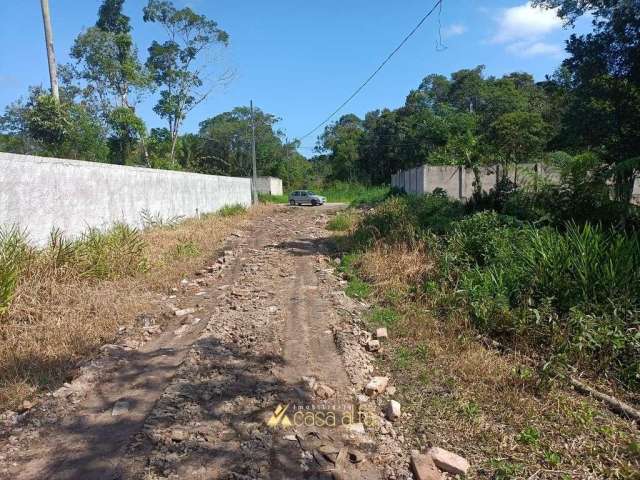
[
  {"x": 58, "y": 304},
  {"x": 491, "y": 309}
]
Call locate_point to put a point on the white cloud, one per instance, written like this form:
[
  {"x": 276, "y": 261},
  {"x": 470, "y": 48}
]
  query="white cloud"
[
  {"x": 526, "y": 49},
  {"x": 454, "y": 30},
  {"x": 523, "y": 29},
  {"x": 525, "y": 22}
]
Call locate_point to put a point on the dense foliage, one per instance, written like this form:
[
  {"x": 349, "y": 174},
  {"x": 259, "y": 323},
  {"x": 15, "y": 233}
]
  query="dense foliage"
[{"x": 561, "y": 287}]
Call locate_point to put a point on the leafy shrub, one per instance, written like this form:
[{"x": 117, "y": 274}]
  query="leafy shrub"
[
  {"x": 152, "y": 220},
  {"x": 392, "y": 220},
  {"x": 575, "y": 291},
  {"x": 405, "y": 219},
  {"x": 475, "y": 237}
]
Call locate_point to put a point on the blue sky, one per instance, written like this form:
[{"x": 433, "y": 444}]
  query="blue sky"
[{"x": 298, "y": 59}]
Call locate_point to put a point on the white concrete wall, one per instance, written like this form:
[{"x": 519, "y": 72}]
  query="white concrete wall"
[
  {"x": 39, "y": 194},
  {"x": 269, "y": 185}
]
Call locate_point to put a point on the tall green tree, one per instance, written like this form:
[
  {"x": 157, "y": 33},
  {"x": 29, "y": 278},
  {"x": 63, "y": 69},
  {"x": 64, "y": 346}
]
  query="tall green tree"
[
  {"x": 604, "y": 68},
  {"x": 107, "y": 59},
  {"x": 342, "y": 139},
  {"x": 41, "y": 125},
  {"x": 226, "y": 147},
  {"x": 113, "y": 79},
  {"x": 519, "y": 136},
  {"x": 177, "y": 65}
]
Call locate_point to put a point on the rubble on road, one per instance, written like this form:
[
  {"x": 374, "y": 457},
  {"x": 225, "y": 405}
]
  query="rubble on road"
[
  {"x": 184, "y": 312},
  {"x": 376, "y": 386},
  {"x": 392, "y": 412},
  {"x": 448, "y": 461},
  {"x": 382, "y": 333},
  {"x": 423, "y": 467}
]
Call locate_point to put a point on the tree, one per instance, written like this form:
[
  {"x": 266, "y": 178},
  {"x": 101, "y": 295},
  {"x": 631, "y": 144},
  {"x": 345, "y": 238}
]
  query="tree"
[
  {"x": 226, "y": 147},
  {"x": 42, "y": 125},
  {"x": 519, "y": 136},
  {"x": 342, "y": 139},
  {"x": 113, "y": 78},
  {"x": 128, "y": 129},
  {"x": 604, "y": 68},
  {"x": 174, "y": 63},
  {"x": 107, "y": 59}
]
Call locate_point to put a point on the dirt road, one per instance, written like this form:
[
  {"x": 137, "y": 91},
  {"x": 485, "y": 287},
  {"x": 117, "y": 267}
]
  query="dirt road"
[{"x": 241, "y": 341}]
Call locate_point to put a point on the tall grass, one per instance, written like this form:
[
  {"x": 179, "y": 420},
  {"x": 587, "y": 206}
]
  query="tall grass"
[
  {"x": 353, "y": 193},
  {"x": 14, "y": 253},
  {"x": 115, "y": 253}
]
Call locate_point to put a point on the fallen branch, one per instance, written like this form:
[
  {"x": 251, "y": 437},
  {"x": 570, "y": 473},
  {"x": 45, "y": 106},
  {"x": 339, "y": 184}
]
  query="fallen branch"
[
  {"x": 617, "y": 406},
  {"x": 613, "y": 403}
]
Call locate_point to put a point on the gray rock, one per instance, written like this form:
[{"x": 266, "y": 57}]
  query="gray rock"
[{"x": 120, "y": 407}]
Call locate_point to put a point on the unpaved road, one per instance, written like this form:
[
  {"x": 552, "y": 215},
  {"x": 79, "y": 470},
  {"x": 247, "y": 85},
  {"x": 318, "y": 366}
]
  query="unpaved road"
[{"x": 192, "y": 401}]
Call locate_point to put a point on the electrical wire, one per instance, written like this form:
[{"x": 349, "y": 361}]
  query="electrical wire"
[{"x": 364, "y": 84}]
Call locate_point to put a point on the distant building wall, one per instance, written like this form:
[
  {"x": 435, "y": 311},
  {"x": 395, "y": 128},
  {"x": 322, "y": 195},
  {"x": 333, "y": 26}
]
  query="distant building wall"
[
  {"x": 269, "y": 185},
  {"x": 39, "y": 194},
  {"x": 458, "y": 182}
]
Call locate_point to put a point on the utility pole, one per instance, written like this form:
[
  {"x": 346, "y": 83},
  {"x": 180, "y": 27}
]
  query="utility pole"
[
  {"x": 254, "y": 179},
  {"x": 51, "y": 56}
]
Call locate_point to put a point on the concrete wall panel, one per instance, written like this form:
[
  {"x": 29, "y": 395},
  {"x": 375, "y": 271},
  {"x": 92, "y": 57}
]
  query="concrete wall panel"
[
  {"x": 444, "y": 177},
  {"x": 269, "y": 185},
  {"x": 39, "y": 194}
]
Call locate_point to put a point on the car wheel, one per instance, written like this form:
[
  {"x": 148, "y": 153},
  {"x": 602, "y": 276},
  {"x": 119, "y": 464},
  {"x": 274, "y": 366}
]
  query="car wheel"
[
  {"x": 314, "y": 203},
  {"x": 291, "y": 202}
]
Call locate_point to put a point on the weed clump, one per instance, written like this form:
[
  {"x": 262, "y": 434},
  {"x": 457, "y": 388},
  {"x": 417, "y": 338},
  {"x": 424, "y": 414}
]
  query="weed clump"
[{"x": 231, "y": 210}]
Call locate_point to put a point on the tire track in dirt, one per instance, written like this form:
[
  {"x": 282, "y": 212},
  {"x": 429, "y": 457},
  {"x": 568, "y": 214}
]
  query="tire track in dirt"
[
  {"x": 89, "y": 441},
  {"x": 200, "y": 402}
]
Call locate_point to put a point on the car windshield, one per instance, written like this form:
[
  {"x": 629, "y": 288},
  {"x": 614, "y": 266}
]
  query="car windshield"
[{"x": 310, "y": 192}]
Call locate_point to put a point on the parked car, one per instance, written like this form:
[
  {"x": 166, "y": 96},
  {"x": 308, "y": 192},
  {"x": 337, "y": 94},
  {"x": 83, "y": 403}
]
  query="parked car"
[{"x": 300, "y": 197}]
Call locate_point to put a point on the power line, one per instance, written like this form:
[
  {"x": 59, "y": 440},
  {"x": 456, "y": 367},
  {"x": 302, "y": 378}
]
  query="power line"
[{"x": 364, "y": 84}]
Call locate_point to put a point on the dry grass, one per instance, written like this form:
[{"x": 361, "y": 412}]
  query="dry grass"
[
  {"x": 407, "y": 267},
  {"x": 59, "y": 317},
  {"x": 500, "y": 414}
]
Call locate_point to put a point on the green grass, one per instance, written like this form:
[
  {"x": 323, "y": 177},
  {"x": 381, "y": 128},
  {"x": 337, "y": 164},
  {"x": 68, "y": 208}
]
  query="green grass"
[
  {"x": 341, "y": 222},
  {"x": 353, "y": 193},
  {"x": 383, "y": 317},
  {"x": 529, "y": 436},
  {"x": 340, "y": 192},
  {"x": 110, "y": 254},
  {"x": 13, "y": 256},
  {"x": 356, "y": 288},
  {"x": 266, "y": 198},
  {"x": 231, "y": 210},
  {"x": 572, "y": 293}
]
